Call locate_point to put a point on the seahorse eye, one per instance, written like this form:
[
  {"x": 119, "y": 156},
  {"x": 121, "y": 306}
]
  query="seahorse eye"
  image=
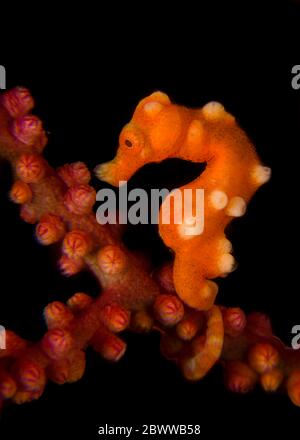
[{"x": 128, "y": 143}]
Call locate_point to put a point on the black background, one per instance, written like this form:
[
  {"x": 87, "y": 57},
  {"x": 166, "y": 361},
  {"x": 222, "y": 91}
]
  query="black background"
[{"x": 86, "y": 84}]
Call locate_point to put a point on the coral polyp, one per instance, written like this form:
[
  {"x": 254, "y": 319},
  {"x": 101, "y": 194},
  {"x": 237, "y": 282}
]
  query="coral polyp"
[{"x": 178, "y": 299}]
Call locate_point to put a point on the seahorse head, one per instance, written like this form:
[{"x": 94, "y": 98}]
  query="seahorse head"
[{"x": 151, "y": 136}]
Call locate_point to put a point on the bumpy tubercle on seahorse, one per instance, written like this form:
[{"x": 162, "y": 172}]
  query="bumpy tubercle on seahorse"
[
  {"x": 159, "y": 130},
  {"x": 133, "y": 296}
]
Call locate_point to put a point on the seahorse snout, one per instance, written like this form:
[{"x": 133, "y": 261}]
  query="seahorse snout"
[{"x": 106, "y": 172}]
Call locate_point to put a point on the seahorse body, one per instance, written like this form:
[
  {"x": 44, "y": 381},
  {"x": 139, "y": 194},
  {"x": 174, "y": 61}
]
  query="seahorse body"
[{"x": 159, "y": 130}]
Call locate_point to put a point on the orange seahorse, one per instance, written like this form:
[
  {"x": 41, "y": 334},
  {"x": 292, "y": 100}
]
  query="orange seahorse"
[{"x": 159, "y": 130}]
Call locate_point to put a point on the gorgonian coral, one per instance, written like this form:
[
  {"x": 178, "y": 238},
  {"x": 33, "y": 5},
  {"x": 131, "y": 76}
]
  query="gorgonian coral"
[{"x": 178, "y": 299}]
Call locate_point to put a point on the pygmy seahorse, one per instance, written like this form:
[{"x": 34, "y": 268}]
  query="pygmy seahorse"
[{"x": 159, "y": 130}]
